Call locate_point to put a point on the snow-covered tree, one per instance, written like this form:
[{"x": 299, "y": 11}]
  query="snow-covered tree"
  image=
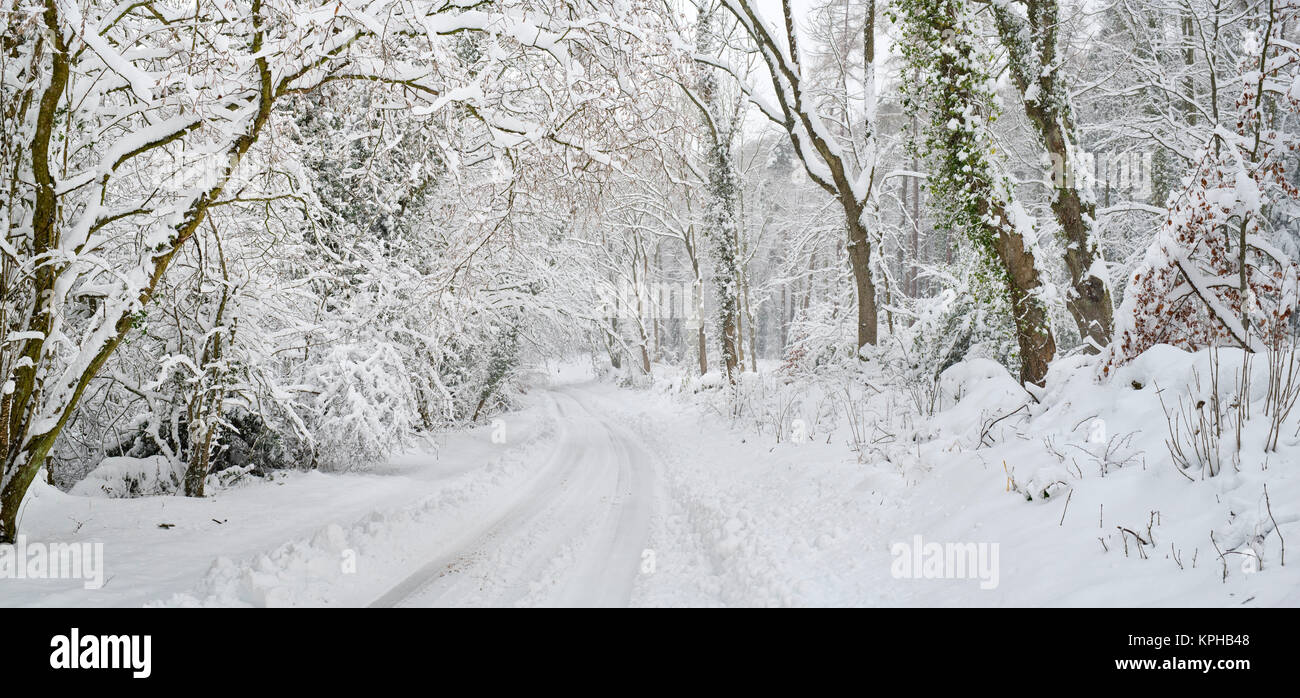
[
  {"x": 129, "y": 124},
  {"x": 952, "y": 83},
  {"x": 1217, "y": 272},
  {"x": 846, "y": 173},
  {"x": 1029, "y": 32}
]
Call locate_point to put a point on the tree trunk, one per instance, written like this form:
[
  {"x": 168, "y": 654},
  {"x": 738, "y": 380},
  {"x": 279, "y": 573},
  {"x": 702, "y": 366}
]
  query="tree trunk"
[
  {"x": 1089, "y": 300},
  {"x": 26, "y": 450},
  {"x": 860, "y": 259},
  {"x": 722, "y": 204},
  {"x": 200, "y": 460},
  {"x": 729, "y": 351},
  {"x": 859, "y": 243},
  {"x": 742, "y": 329},
  {"x": 702, "y": 345},
  {"x": 703, "y": 348},
  {"x": 611, "y": 343},
  {"x": 1033, "y": 331},
  {"x": 825, "y": 163},
  {"x": 753, "y": 333}
]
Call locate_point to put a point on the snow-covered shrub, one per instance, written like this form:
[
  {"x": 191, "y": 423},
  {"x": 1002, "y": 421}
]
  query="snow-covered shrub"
[
  {"x": 823, "y": 336},
  {"x": 124, "y": 476},
  {"x": 246, "y": 440},
  {"x": 948, "y": 328},
  {"x": 979, "y": 399},
  {"x": 362, "y": 405}
]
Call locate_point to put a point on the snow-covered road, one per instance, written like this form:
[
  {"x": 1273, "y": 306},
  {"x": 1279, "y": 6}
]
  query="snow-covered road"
[
  {"x": 590, "y": 494},
  {"x": 588, "y": 505}
]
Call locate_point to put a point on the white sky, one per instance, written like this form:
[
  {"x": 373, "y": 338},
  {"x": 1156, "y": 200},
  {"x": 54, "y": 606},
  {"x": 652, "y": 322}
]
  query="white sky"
[{"x": 770, "y": 10}]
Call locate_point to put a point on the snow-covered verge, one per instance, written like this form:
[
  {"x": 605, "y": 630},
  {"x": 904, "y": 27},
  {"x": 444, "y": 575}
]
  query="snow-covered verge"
[
  {"x": 1076, "y": 487},
  {"x": 297, "y": 538}
]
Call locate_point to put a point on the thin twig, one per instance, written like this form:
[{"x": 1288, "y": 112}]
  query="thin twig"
[
  {"x": 1269, "y": 507},
  {"x": 1067, "y": 507}
]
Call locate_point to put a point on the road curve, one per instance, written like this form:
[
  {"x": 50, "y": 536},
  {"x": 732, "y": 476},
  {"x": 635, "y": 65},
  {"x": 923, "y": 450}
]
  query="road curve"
[{"x": 574, "y": 535}]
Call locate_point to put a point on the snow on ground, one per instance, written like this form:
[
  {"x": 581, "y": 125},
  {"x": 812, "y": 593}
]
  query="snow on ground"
[
  {"x": 279, "y": 542},
  {"x": 605, "y": 495},
  {"x": 805, "y": 523}
]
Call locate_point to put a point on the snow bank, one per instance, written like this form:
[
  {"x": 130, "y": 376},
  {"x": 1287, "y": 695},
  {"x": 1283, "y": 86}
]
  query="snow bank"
[
  {"x": 124, "y": 476},
  {"x": 978, "y": 399},
  {"x": 1075, "y": 484}
]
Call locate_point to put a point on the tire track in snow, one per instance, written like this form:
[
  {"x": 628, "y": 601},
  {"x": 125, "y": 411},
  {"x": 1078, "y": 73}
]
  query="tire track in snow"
[{"x": 574, "y": 538}]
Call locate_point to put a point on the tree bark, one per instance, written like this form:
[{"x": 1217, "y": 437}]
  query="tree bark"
[
  {"x": 860, "y": 259},
  {"x": 722, "y": 206},
  {"x": 1033, "y": 333},
  {"x": 702, "y": 344}
]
